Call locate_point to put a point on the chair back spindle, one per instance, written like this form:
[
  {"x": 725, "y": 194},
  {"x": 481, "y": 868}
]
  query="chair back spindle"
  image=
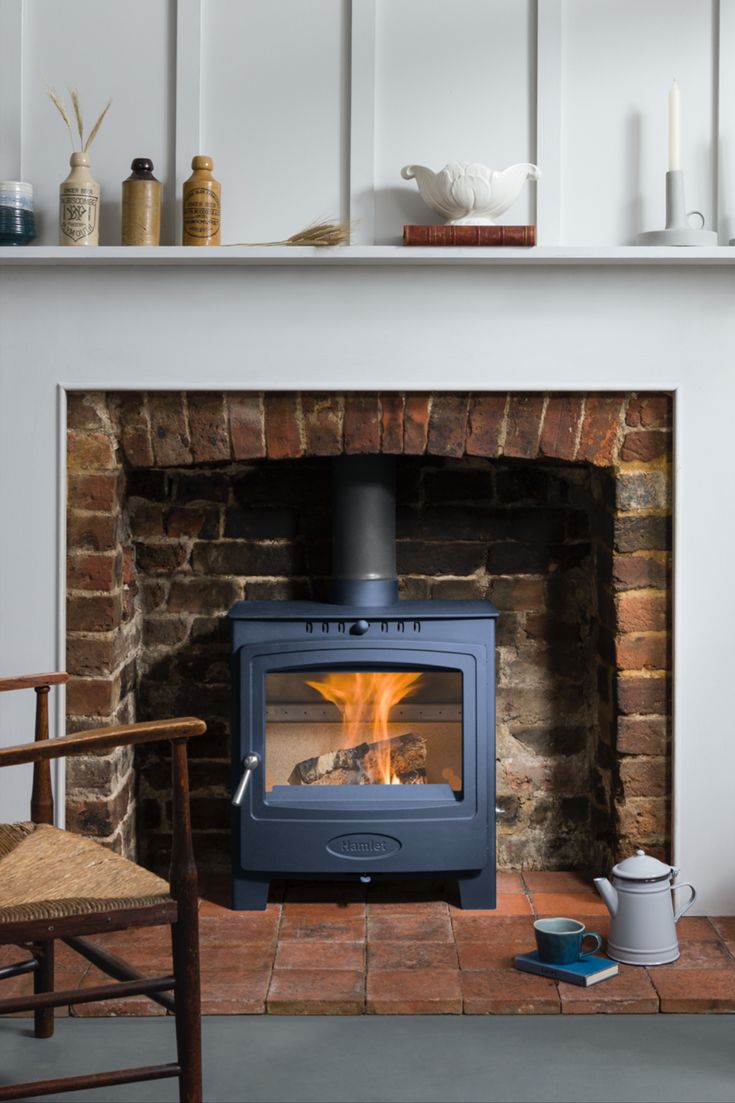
[{"x": 42, "y": 797}]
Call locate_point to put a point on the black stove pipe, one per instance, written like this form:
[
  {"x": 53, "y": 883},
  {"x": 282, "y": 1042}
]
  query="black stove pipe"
[{"x": 364, "y": 531}]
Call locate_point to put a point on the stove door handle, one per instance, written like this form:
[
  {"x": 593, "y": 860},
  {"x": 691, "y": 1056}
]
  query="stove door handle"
[{"x": 250, "y": 762}]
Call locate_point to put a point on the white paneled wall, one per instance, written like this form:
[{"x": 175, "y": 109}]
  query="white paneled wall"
[
  {"x": 453, "y": 82},
  {"x": 620, "y": 58},
  {"x": 310, "y": 109}
]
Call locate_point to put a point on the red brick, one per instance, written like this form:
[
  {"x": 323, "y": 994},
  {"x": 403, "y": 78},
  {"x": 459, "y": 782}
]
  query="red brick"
[
  {"x": 448, "y": 425},
  {"x": 362, "y": 423},
  {"x": 282, "y": 432},
  {"x": 94, "y": 492},
  {"x": 496, "y": 953},
  {"x": 91, "y": 697},
  {"x": 312, "y": 954},
  {"x": 134, "y": 428},
  {"x": 560, "y": 427},
  {"x": 322, "y": 928},
  {"x": 208, "y": 428},
  {"x": 629, "y": 992},
  {"x": 645, "y": 446},
  {"x": 416, "y": 424},
  {"x": 93, "y": 614},
  {"x": 650, "y": 411},
  {"x": 632, "y": 572},
  {"x": 523, "y": 426},
  {"x": 488, "y": 926},
  {"x": 230, "y": 988},
  {"x": 187, "y": 521},
  {"x": 644, "y": 818},
  {"x": 93, "y": 572},
  {"x": 700, "y": 955},
  {"x": 412, "y": 955},
  {"x": 94, "y": 532},
  {"x": 247, "y": 425},
  {"x": 87, "y": 656},
  {"x": 644, "y": 777},
  {"x": 598, "y": 439},
  {"x": 323, "y": 418},
  {"x": 642, "y": 612},
  {"x": 695, "y": 990},
  {"x": 555, "y": 881},
  {"x": 90, "y": 451},
  {"x": 521, "y": 594},
  {"x": 160, "y": 558},
  {"x": 164, "y": 631},
  {"x": 647, "y": 735},
  {"x": 314, "y": 910},
  {"x": 146, "y": 518},
  {"x": 391, "y": 418},
  {"x": 414, "y": 992},
  {"x": 644, "y": 651},
  {"x": 86, "y": 410},
  {"x": 409, "y": 928},
  {"x": 484, "y": 424},
  {"x": 507, "y": 992},
  {"x": 169, "y": 431},
  {"x": 316, "y": 992},
  {"x": 571, "y": 904},
  {"x": 643, "y": 696},
  {"x": 200, "y": 595}
]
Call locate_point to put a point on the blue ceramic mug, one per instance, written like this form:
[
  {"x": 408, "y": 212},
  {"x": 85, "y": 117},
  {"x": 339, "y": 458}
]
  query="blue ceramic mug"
[{"x": 559, "y": 941}]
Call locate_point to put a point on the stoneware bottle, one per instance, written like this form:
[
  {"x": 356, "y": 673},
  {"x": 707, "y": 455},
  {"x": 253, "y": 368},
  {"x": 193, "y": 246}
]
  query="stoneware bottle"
[
  {"x": 201, "y": 205},
  {"x": 141, "y": 205},
  {"x": 79, "y": 204}
]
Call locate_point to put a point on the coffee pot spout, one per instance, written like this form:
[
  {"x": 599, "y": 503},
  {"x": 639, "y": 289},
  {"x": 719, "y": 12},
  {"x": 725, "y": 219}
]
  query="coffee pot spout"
[{"x": 608, "y": 894}]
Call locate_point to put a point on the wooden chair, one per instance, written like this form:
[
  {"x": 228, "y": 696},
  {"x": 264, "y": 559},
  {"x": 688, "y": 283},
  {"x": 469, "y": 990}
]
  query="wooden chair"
[{"x": 57, "y": 885}]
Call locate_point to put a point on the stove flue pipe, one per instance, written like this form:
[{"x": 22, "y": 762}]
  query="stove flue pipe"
[{"x": 364, "y": 531}]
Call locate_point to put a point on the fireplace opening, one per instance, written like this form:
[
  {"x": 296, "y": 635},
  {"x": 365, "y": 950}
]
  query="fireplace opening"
[{"x": 182, "y": 505}]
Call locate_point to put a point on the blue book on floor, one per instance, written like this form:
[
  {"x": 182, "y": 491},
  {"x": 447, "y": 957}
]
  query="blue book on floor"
[{"x": 591, "y": 970}]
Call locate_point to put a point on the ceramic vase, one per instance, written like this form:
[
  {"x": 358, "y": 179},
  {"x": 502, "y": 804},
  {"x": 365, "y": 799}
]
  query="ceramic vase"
[{"x": 79, "y": 204}]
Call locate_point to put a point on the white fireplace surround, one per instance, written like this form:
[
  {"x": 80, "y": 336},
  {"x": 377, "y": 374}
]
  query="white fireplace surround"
[{"x": 494, "y": 327}]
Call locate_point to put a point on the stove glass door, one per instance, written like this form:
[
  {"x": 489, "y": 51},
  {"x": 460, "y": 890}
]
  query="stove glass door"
[{"x": 364, "y": 726}]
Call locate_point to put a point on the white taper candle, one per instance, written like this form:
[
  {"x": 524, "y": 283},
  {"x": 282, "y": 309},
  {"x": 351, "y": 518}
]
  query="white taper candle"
[{"x": 674, "y": 128}]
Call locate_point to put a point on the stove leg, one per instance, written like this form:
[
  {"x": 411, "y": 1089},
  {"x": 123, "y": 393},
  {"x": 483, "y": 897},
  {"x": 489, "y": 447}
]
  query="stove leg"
[
  {"x": 478, "y": 891},
  {"x": 250, "y": 896}
]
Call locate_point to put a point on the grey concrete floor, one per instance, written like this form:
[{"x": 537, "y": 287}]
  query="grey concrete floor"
[{"x": 400, "y": 1059}]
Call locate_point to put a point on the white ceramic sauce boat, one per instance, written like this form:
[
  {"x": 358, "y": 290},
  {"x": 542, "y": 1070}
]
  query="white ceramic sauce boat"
[{"x": 469, "y": 194}]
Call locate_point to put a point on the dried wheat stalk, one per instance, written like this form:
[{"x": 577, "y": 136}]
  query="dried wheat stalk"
[
  {"x": 77, "y": 106},
  {"x": 318, "y": 233}
]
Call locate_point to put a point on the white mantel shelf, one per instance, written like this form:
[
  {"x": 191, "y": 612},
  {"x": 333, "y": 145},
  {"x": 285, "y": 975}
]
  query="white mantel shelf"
[{"x": 360, "y": 255}]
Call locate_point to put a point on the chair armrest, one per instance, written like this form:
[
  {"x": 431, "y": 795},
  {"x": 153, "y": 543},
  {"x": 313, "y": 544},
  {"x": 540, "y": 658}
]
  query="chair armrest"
[
  {"x": 33, "y": 681},
  {"x": 102, "y": 739}
]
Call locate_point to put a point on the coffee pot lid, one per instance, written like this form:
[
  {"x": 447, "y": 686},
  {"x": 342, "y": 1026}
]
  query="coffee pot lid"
[{"x": 642, "y": 867}]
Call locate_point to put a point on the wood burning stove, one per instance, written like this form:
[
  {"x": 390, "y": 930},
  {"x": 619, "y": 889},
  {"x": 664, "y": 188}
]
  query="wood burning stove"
[{"x": 364, "y": 728}]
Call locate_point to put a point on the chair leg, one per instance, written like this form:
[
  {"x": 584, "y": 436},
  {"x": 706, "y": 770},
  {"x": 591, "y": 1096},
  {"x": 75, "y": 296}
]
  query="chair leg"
[
  {"x": 43, "y": 981},
  {"x": 185, "y": 945}
]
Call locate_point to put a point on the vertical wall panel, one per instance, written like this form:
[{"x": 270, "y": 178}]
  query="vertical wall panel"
[
  {"x": 272, "y": 110},
  {"x": 620, "y": 58},
  {"x": 454, "y": 83},
  {"x": 104, "y": 49}
]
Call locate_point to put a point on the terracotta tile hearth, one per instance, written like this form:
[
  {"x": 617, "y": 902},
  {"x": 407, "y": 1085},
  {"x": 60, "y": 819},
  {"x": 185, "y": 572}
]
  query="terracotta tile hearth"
[{"x": 348, "y": 950}]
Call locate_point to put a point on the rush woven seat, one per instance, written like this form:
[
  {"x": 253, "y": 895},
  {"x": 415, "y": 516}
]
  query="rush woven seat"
[
  {"x": 58, "y": 886},
  {"x": 46, "y": 873}
]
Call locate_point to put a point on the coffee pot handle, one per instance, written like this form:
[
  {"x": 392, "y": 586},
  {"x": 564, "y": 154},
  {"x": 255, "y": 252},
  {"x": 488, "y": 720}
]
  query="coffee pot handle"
[{"x": 690, "y": 901}]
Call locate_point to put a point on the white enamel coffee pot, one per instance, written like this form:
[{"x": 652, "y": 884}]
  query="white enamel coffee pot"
[{"x": 641, "y": 906}]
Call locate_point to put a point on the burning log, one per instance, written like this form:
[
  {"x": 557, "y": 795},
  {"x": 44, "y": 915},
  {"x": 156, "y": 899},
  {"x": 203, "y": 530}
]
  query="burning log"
[{"x": 401, "y": 760}]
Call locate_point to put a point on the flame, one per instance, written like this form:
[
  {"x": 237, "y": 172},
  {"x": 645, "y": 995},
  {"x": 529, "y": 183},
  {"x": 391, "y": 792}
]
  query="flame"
[{"x": 365, "y": 699}]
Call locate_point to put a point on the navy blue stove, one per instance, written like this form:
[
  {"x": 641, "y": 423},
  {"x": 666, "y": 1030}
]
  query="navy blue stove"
[{"x": 363, "y": 729}]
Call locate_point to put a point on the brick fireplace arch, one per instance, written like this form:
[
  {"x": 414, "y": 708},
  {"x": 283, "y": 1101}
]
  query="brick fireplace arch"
[{"x": 159, "y": 546}]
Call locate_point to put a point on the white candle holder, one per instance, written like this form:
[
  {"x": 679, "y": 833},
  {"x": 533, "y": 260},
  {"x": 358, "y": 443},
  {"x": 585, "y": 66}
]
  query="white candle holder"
[{"x": 678, "y": 229}]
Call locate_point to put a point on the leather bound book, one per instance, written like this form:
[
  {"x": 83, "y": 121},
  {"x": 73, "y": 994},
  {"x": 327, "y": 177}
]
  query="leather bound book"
[{"x": 463, "y": 236}]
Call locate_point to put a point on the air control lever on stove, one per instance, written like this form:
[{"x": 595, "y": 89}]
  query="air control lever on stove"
[
  {"x": 499, "y": 811},
  {"x": 250, "y": 762}
]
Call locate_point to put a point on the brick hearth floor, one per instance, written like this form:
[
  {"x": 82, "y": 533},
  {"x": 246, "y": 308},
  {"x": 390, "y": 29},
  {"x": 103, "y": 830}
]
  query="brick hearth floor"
[{"x": 406, "y": 950}]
